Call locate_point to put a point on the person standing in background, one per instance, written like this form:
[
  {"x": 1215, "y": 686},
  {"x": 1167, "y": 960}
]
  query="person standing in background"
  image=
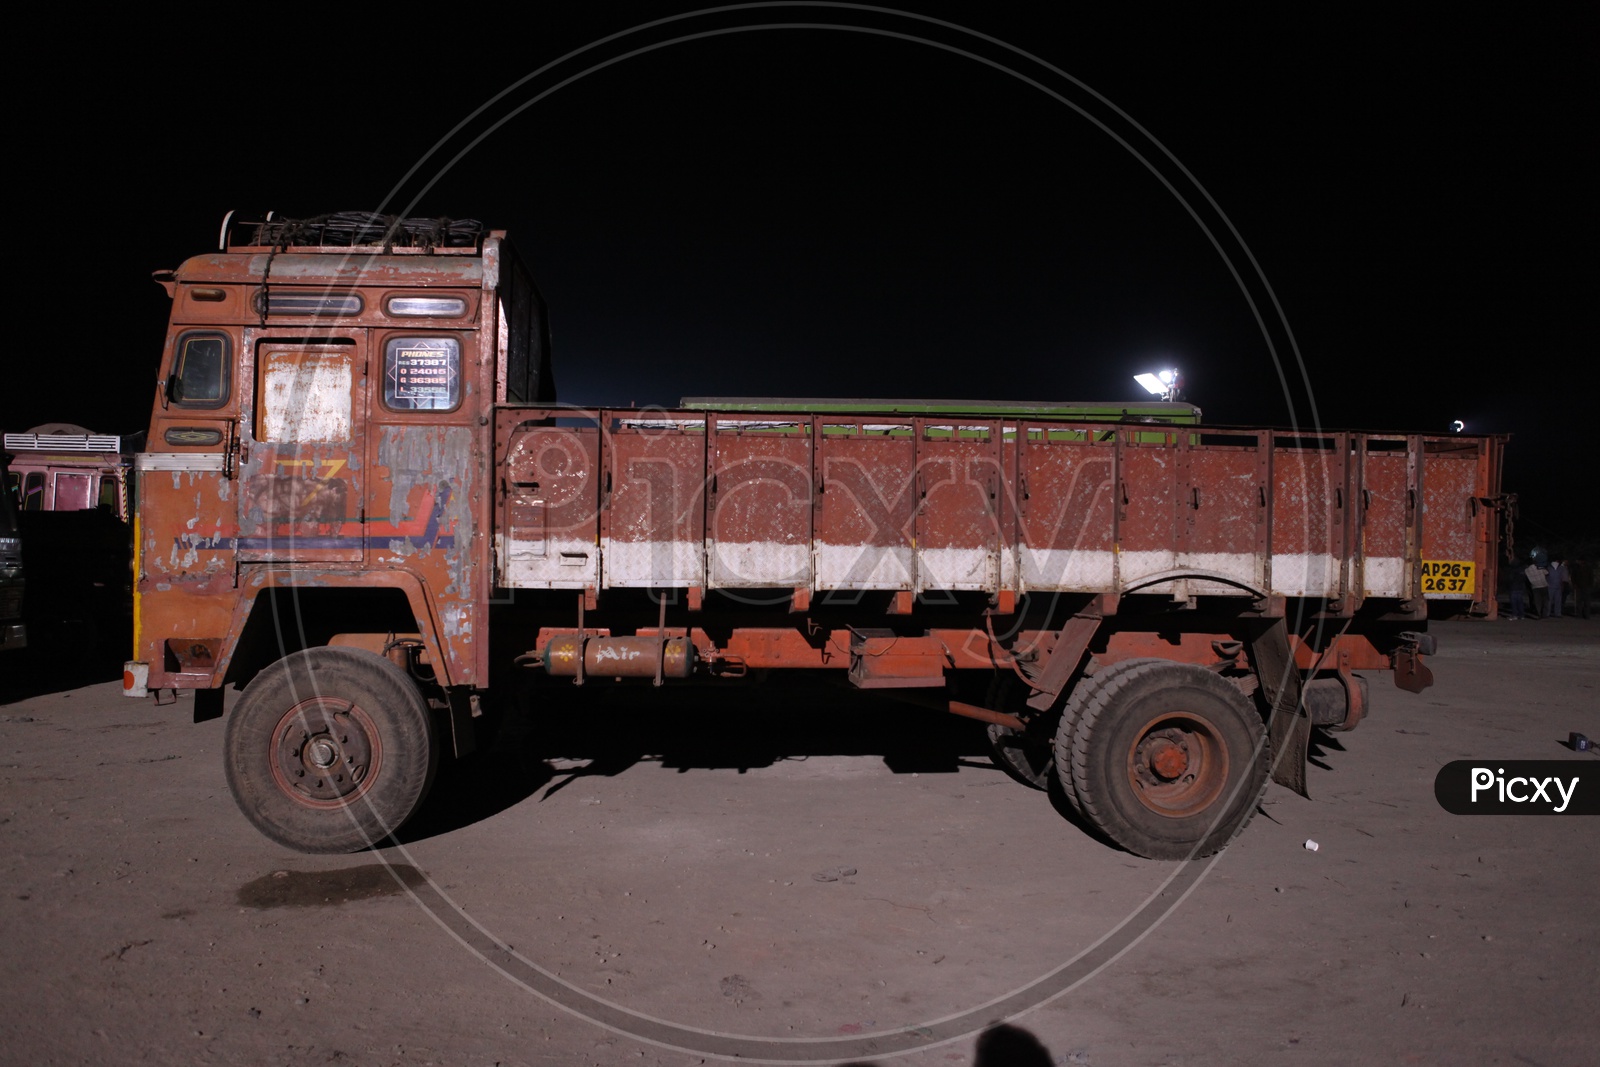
[
  {"x": 1555, "y": 578},
  {"x": 1519, "y": 594},
  {"x": 1536, "y": 580},
  {"x": 1582, "y": 585}
]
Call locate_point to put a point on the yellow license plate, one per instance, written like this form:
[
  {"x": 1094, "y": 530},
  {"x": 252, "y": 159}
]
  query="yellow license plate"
[{"x": 1448, "y": 576}]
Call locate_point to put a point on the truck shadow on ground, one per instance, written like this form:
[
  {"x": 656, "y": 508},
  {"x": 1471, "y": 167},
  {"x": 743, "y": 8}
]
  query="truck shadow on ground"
[
  {"x": 1324, "y": 743},
  {"x": 538, "y": 739},
  {"x": 542, "y": 738}
]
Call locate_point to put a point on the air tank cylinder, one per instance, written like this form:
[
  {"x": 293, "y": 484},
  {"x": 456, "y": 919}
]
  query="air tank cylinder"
[{"x": 619, "y": 657}]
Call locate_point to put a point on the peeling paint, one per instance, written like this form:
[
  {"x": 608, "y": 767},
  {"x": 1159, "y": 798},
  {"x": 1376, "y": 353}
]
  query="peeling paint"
[{"x": 329, "y": 471}]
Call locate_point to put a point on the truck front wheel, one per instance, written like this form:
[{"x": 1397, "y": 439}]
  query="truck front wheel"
[
  {"x": 329, "y": 750},
  {"x": 1169, "y": 760}
]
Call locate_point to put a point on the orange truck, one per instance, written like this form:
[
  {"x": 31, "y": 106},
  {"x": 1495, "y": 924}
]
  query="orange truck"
[{"x": 356, "y": 471}]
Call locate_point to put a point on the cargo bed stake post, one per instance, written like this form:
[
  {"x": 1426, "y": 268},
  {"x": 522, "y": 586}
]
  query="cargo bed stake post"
[
  {"x": 661, "y": 635},
  {"x": 583, "y": 638}
]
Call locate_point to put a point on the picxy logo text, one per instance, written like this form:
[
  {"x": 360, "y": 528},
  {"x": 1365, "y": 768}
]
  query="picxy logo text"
[
  {"x": 1519, "y": 787},
  {"x": 1532, "y": 789}
]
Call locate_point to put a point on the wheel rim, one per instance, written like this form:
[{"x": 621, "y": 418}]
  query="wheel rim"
[
  {"x": 1178, "y": 764},
  {"x": 325, "y": 753}
]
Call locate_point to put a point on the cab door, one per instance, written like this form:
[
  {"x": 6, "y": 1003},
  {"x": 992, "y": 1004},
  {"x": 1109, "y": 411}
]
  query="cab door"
[
  {"x": 184, "y": 477},
  {"x": 300, "y": 457}
]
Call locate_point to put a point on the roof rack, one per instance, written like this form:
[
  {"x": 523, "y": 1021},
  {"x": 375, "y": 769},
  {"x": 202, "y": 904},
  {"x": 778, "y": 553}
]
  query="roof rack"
[{"x": 353, "y": 229}]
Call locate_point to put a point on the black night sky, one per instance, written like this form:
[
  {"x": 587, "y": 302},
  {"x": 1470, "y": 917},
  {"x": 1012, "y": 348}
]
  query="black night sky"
[{"x": 784, "y": 209}]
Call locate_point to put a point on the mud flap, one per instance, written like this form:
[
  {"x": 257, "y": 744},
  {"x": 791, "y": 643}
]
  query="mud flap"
[
  {"x": 1289, "y": 728},
  {"x": 463, "y": 736},
  {"x": 1410, "y": 673}
]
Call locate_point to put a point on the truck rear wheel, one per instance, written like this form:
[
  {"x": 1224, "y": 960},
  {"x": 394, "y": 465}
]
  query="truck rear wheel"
[
  {"x": 1031, "y": 756},
  {"x": 1024, "y": 755},
  {"x": 1168, "y": 760},
  {"x": 329, "y": 750},
  {"x": 1072, "y": 713}
]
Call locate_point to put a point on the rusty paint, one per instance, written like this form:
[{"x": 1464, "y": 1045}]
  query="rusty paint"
[
  {"x": 929, "y": 508},
  {"x": 1066, "y": 652},
  {"x": 760, "y": 536},
  {"x": 1356, "y": 650},
  {"x": 305, "y": 475},
  {"x": 1354, "y": 699},
  {"x": 619, "y": 657},
  {"x": 1179, "y": 646},
  {"x": 880, "y": 659},
  {"x": 1410, "y": 672}
]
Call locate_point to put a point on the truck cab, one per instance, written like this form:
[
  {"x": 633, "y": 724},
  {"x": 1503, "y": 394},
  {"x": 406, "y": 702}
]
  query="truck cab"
[{"x": 322, "y": 429}]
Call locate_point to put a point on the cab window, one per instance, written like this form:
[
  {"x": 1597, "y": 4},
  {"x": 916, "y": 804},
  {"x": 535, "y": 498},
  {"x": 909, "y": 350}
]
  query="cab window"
[
  {"x": 200, "y": 371},
  {"x": 33, "y": 491}
]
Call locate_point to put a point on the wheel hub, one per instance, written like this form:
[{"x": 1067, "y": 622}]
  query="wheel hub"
[
  {"x": 1166, "y": 755},
  {"x": 322, "y": 751},
  {"x": 1178, "y": 765}
]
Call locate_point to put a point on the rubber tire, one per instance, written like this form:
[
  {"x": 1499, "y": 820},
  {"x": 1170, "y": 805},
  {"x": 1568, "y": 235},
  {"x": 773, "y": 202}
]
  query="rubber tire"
[
  {"x": 1072, "y": 714},
  {"x": 1025, "y": 757},
  {"x": 1033, "y": 762},
  {"x": 1104, "y": 740},
  {"x": 401, "y": 722}
]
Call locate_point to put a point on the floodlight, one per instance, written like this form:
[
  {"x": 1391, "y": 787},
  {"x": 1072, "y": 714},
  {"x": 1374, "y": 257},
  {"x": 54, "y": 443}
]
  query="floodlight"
[
  {"x": 1457, "y": 426},
  {"x": 1163, "y": 383}
]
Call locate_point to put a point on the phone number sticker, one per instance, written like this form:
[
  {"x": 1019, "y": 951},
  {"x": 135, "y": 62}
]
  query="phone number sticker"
[{"x": 1448, "y": 576}]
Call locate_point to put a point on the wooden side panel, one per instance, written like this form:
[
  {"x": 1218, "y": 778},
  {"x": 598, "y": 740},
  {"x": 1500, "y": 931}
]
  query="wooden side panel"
[
  {"x": 760, "y": 507},
  {"x": 1308, "y": 498},
  {"x": 655, "y": 524},
  {"x": 549, "y": 535},
  {"x": 1147, "y": 531},
  {"x": 866, "y": 507},
  {"x": 1223, "y": 515},
  {"x": 1387, "y": 539},
  {"x": 958, "y": 506},
  {"x": 857, "y": 502},
  {"x": 1066, "y": 510},
  {"x": 1452, "y": 563}
]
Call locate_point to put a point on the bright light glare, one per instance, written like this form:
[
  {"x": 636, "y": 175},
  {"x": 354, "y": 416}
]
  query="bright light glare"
[
  {"x": 1163, "y": 383},
  {"x": 1458, "y": 426}
]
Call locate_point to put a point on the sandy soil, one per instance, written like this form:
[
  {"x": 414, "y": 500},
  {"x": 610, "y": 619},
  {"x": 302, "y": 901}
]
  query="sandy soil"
[{"x": 800, "y": 875}]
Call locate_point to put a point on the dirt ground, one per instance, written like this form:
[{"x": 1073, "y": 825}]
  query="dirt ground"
[{"x": 800, "y": 874}]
